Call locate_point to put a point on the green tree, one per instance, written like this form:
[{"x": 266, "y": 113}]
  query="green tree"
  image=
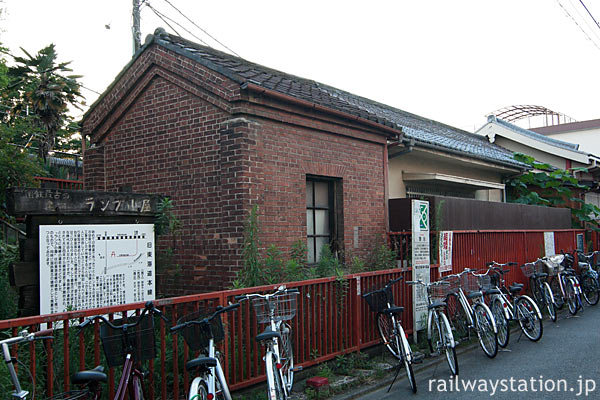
[
  {"x": 553, "y": 187},
  {"x": 39, "y": 90}
]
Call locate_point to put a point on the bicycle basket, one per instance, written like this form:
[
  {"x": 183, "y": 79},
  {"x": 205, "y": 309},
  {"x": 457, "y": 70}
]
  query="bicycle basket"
[
  {"x": 197, "y": 336},
  {"x": 454, "y": 283},
  {"x": 139, "y": 338},
  {"x": 485, "y": 282},
  {"x": 469, "y": 282},
  {"x": 550, "y": 267},
  {"x": 379, "y": 299},
  {"x": 531, "y": 268},
  {"x": 281, "y": 307},
  {"x": 438, "y": 291}
]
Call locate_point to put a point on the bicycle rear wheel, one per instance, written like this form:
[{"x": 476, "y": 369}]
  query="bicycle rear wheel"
[
  {"x": 406, "y": 352},
  {"x": 389, "y": 337},
  {"x": 287, "y": 356},
  {"x": 530, "y": 323},
  {"x": 201, "y": 393},
  {"x": 276, "y": 391},
  {"x": 536, "y": 291},
  {"x": 446, "y": 333},
  {"x": 590, "y": 290},
  {"x": 485, "y": 330},
  {"x": 549, "y": 302},
  {"x": 502, "y": 323},
  {"x": 458, "y": 317},
  {"x": 557, "y": 293},
  {"x": 571, "y": 293}
]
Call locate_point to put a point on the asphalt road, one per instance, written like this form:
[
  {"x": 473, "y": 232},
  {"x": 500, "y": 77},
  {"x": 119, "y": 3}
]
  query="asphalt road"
[{"x": 564, "y": 364}]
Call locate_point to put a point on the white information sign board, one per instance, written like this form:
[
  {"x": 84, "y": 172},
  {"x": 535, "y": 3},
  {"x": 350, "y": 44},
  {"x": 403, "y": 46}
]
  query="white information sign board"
[
  {"x": 445, "y": 251},
  {"x": 420, "y": 261},
  {"x": 549, "y": 244},
  {"x": 88, "y": 266}
]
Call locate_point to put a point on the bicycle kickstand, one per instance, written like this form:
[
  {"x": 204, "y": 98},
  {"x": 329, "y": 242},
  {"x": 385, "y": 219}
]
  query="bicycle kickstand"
[{"x": 395, "y": 376}]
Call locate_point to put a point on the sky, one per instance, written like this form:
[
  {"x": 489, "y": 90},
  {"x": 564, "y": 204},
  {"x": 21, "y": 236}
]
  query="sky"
[{"x": 451, "y": 61}]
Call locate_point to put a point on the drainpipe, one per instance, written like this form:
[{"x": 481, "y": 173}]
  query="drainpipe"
[{"x": 409, "y": 145}]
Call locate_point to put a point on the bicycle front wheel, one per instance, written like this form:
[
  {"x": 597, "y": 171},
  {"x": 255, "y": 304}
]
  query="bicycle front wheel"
[
  {"x": 590, "y": 290},
  {"x": 485, "y": 330},
  {"x": 502, "y": 323},
  {"x": 549, "y": 302},
  {"x": 390, "y": 338},
  {"x": 287, "y": 356},
  {"x": 530, "y": 323},
  {"x": 557, "y": 293}
]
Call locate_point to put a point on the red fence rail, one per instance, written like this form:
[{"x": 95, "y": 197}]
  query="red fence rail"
[
  {"x": 332, "y": 319},
  {"x": 55, "y": 183}
]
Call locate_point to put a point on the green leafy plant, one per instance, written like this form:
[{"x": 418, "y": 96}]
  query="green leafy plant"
[{"x": 554, "y": 187}]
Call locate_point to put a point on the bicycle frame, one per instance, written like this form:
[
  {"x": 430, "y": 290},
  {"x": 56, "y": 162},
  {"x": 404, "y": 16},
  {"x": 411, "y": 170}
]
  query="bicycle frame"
[
  {"x": 137, "y": 379},
  {"x": 399, "y": 331}
]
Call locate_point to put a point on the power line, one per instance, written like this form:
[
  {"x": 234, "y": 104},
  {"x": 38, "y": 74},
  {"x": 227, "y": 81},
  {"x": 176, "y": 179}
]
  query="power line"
[
  {"x": 209, "y": 35},
  {"x": 590, "y": 27},
  {"x": 178, "y": 24},
  {"x": 588, "y": 11},
  {"x": 577, "y": 23},
  {"x": 162, "y": 17}
]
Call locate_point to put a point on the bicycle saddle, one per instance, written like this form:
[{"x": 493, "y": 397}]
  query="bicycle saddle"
[
  {"x": 515, "y": 288},
  {"x": 436, "y": 304},
  {"x": 539, "y": 275},
  {"x": 268, "y": 334},
  {"x": 93, "y": 375},
  {"x": 393, "y": 310},
  {"x": 491, "y": 291},
  {"x": 199, "y": 362},
  {"x": 474, "y": 294}
]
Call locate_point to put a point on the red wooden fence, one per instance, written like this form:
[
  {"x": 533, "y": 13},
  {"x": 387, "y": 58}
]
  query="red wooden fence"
[{"x": 332, "y": 318}]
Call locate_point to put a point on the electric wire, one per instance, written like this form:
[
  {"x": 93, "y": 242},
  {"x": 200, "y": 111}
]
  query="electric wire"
[
  {"x": 590, "y": 27},
  {"x": 577, "y": 23},
  {"x": 588, "y": 11},
  {"x": 161, "y": 15},
  {"x": 203, "y": 30}
]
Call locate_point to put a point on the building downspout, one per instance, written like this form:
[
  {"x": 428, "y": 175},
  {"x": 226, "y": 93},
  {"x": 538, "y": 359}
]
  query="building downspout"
[{"x": 386, "y": 194}]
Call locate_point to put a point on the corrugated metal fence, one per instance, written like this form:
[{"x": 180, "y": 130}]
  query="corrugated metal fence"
[{"x": 332, "y": 319}]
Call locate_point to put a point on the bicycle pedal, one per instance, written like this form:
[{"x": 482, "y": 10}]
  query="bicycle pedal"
[
  {"x": 296, "y": 369},
  {"x": 434, "y": 354}
]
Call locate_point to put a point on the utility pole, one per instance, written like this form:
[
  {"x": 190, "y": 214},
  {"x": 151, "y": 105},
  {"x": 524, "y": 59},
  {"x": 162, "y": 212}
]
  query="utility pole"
[{"x": 135, "y": 29}]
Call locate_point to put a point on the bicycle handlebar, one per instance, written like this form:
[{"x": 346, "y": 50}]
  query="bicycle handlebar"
[
  {"x": 206, "y": 321},
  {"x": 148, "y": 308},
  {"x": 281, "y": 289}
]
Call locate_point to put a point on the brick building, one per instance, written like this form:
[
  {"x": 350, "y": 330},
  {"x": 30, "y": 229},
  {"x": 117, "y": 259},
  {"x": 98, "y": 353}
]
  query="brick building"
[{"x": 218, "y": 134}]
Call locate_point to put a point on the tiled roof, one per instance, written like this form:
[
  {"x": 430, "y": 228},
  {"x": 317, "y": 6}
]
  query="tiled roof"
[
  {"x": 537, "y": 136},
  {"x": 424, "y": 131}
]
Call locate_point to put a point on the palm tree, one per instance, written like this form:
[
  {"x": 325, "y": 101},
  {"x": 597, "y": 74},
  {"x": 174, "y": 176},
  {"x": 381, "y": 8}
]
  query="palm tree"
[{"x": 46, "y": 93}]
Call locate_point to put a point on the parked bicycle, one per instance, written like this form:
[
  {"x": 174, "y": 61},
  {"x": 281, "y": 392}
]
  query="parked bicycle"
[
  {"x": 439, "y": 332},
  {"x": 129, "y": 342},
  {"x": 387, "y": 318},
  {"x": 563, "y": 282},
  {"x": 508, "y": 305},
  {"x": 467, "y": 316},
  {"x": 539, "y": 287},
  {"x": 587, "y": 276},
  {"x": 90, "y": 380},
  {"x": 274, "y": 309},
  {"x": 202, "y": 331}
]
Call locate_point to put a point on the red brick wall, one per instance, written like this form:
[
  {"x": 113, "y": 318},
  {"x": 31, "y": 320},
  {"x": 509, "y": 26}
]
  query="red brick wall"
[{"x": 165, "y": 128}]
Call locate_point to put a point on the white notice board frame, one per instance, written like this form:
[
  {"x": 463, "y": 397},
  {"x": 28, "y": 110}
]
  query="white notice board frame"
[{"x": 89, "y": 266}]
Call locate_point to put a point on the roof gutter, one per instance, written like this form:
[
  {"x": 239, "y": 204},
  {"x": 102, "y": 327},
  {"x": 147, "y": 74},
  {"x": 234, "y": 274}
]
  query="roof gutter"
[{"x": 394, "y": 132}]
